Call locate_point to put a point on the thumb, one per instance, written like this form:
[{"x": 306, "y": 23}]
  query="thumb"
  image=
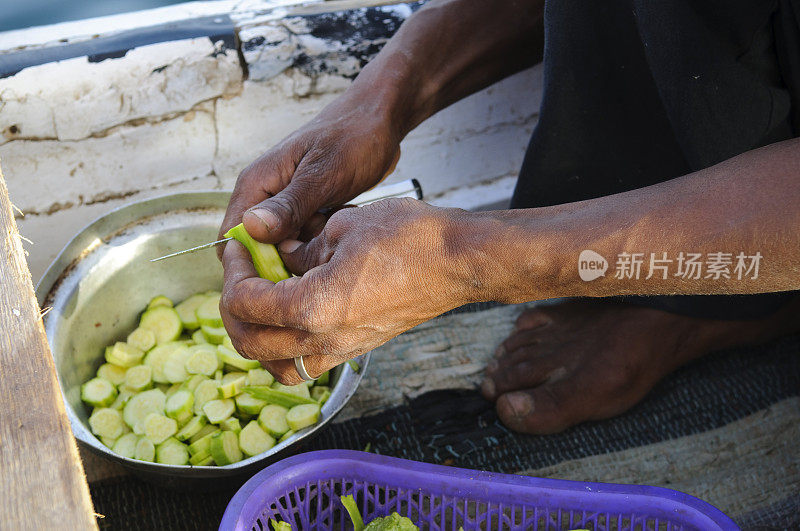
[{"x": 284, "y": 214}]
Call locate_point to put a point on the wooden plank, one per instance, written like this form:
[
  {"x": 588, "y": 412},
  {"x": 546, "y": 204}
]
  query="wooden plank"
[{"x": 41, "y": 477}]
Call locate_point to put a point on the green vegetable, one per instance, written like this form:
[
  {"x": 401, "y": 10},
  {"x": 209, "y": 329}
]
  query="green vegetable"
[
  {"x": 186, "y": 311},
  {"x": 154, "y": 399},
  {"x": 124, "y": 355},
  {"x": 160, "y": 300},
  {"x": 139, "y": 378},
  {"x": 172, "y": 452},
  {"x": 164, "y": 322},
  {"x": 302, "y": 416},
  {"x": 273, "y": 420},
  {"x": 142, "y": 338},
  {"x": 253, "y": 440},
  {"x": 106, "y": 422},
  {"x": 225, "y": 448},
  {"x": 235, "y": 360},
  {"x": 208, "y": 312},
  {"x": 266, "y": 259},
  {"x": 352, "y": 509},
  {"x": 113, "y": 373},
  {"x": 393, "y": 522},
  {"x": 280, "y": 526},
  {"x": 98, "y": 392},
  {"x": 275, "y": 396}
]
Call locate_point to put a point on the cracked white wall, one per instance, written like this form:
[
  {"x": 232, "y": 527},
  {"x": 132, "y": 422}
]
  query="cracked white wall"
[{"x": 79, "y": 139}]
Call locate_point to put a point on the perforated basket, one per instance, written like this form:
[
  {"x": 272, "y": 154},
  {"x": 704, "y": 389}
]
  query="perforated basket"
[{"x": 304, "y": 490}]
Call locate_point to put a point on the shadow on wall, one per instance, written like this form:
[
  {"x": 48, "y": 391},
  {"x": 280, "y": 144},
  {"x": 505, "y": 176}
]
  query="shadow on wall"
[{"x": 17, "y": 15}]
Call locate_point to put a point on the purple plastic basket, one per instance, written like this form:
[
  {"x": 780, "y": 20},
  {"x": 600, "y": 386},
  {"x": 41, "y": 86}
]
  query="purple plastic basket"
[{"x": 304, "y": 490}]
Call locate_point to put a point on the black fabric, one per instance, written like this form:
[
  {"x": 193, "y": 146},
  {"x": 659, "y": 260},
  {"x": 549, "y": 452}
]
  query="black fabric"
[
  {"x": 458, "y": 427},
  {"x": 637, "y": 92}
]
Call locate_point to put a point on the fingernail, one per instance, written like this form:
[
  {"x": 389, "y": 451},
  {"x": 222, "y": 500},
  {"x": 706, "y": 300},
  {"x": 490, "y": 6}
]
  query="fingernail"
[
  {"x": 499, "y": 351},
  {"x": 521, "y": 404},
  {"x": 289, "y": 246},
  {"x": 492, "y": 366},
  {"x": 488, "y": 388},
  {"x": 269, "y": 219}
]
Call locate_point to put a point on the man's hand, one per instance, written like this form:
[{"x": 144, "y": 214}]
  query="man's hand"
[
  {"x": 342, "y": 152},
  {"x": 372, "y": 273}
]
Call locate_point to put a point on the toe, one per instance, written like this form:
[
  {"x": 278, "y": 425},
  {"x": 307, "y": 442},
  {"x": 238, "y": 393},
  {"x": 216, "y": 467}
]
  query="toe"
[
  {"x": 532, "y": 318},
  {"x": 504, "y": 377},
  {"x": 549, "y": 408}
]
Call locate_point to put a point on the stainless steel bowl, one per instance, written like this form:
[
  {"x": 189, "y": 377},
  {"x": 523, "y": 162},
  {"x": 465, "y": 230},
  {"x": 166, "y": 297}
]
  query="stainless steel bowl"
[{"x": 102, "y": 280}]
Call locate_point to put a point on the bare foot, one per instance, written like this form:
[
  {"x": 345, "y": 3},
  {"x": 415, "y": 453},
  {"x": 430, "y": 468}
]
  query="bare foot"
[{"x": 591, "y": 360}]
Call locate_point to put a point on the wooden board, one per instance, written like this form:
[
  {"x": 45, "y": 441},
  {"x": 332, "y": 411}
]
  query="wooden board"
[{"x": 41, "y": 477}]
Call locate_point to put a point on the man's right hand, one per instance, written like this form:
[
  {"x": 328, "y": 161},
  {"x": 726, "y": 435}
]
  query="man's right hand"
[{"x": 345, "y": 150}]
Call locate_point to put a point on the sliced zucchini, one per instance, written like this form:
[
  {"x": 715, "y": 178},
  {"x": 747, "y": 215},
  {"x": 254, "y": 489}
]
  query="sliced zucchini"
[
  {"x": 321, "y": 393},
  {"x": 302, "y": 416},
  {"x": 235, "y": 360},
  {"x": 126, "y": 445},
  {"x": 286, "y": 436},
  {"x": 202, "y": 360},
  {"x": 145, "y": 450},
  {"x": 172, "y": 452},
  {"x": 106, "y": 422},
  {"x": 225, "y": 448},
  {"x": 98, "y": 392},
  {"x": 113, "y": 373},
  {"x": 218, "y": 410},
  {"x": 206, "y": 460},
  {"x": 232, "y": 384},
  {"x": 122, "y": 399},
  {"x": 259, "y": 377},
  {"x": 272, "y": 419},
  {"x": 157, "y": 357},
  {"x": 191, "y": 428},
  {"x": 300, "y": 390},
  {"x": 179, "y": 405},
  {"x": 193, "y": 381},
  {"x": 323, "y": 379},
  {"x": 186, "y": 311},
  {"x": 214, "y": 335},
  {"x": 164, "y": 322},
  {"x": 248, "y": 404},
  {"x": 208, "y": 313},
  {"x": 141, "y": 405},
  {"x": 203, "y": 444},
  {"x": 205, "y": 392},
  {"x": 142, "y": 338},
  {"x": 175, "y": 365},
  {"x": 139, "y": 378},
  {"x": 199, "y": 338},
  {"x": 158, "y": 428},
  {"x": 159, "y": 300},
  {"x": 230, "y": 424},
  {"x": 206, "y": 430},
  {"x": 253, "y": 440},
  {"x": 124, "y": 355}
]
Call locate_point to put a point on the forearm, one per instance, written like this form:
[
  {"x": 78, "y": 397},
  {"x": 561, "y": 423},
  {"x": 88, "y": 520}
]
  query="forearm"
[
  {"x": 448, "y": 50},
  {"x": 749, "y": 205}
]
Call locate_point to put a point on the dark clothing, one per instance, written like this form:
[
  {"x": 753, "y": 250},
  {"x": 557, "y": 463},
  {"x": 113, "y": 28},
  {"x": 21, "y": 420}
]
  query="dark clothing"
[{"x": 637, "y": 92}]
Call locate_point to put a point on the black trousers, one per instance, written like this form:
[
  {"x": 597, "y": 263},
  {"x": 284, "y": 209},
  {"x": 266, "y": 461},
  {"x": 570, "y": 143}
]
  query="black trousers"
[{"x": 637, "y": 92}]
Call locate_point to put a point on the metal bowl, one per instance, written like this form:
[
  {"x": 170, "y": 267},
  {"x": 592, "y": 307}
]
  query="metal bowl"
[{"x": 101, "y": 281}]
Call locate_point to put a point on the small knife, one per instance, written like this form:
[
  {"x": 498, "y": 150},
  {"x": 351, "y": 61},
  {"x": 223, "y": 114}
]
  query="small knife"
[{"x": 409, "y": 188}]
